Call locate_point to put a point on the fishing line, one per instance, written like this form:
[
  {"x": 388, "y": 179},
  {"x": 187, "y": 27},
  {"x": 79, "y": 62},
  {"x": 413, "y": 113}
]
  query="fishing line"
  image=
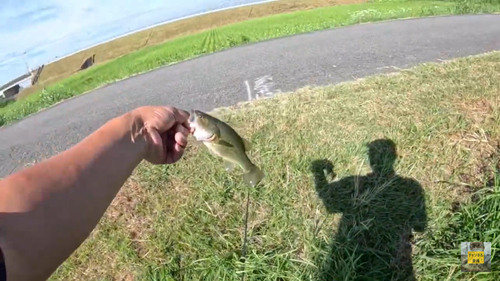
[{"x": 244, "y": 248}]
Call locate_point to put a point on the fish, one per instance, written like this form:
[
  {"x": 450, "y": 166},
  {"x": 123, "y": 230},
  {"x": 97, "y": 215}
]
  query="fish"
[{"x": 224, "y": 142}]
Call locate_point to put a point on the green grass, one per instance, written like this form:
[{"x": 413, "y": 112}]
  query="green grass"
[
  {"x": 185, "y": 221},
  {"x": 226, "y": 37},
  {"x": 4, "y": 103}
]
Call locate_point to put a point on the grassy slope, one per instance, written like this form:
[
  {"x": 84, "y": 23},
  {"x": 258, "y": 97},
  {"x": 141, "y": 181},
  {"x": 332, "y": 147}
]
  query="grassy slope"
[
  {"x": 169, "y": 225},
  {"x": 154, "y": 36},
  {"x": 215, "y": 40}
]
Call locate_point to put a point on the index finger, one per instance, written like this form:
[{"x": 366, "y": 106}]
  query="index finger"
[
  {"x": 164, "y": 117},
  {"x": 181, "y": 116}
]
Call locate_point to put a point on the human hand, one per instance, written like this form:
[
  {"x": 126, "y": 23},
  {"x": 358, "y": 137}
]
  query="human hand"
[
  {"x": 165, "y": 129},
  {"x": 323, "y": 170}
]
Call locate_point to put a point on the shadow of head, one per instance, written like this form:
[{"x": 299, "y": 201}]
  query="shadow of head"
[
  {"x": 382, "y": 155},
  {"x": 380, "y": 211}
]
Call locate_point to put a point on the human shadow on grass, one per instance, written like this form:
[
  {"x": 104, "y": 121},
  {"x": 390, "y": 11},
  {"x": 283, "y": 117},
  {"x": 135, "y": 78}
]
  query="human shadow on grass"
[{"x": 379, "y": 210}]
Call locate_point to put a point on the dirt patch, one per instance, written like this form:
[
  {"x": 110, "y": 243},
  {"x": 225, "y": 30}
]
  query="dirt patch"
[
  {"x": 475, "y": 165},
  {"x": 126, "y": 201},
  {"x": 476, "y": 147},
  {"x": 480, "y": 111},
  {"x": 257, "y": 221},
  {"x": 125, "y": 210},
  {"x": 483, "y": 151},
  {"x": 125, "y": 277}
]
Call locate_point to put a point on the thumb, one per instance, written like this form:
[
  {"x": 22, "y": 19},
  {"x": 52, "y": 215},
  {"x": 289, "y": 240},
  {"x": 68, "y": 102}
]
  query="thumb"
[{"x": 161, "y": 121}]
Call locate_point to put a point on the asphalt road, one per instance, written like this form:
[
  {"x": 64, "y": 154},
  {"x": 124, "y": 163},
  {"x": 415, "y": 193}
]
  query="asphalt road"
[{"x": 223, "y": 78}]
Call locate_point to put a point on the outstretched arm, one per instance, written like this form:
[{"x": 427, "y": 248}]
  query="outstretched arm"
[{"x": 49, "y": 209}]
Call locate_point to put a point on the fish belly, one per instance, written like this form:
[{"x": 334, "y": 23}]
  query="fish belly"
[{"x": 232, "y": 155}]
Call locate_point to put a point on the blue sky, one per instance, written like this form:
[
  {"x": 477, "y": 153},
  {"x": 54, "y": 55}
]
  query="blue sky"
[{"x": 46, "y": 29}]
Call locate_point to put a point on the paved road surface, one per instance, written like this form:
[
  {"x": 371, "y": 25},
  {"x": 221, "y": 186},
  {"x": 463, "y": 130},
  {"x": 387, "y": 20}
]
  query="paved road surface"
[{"x": 219, "y": 79}]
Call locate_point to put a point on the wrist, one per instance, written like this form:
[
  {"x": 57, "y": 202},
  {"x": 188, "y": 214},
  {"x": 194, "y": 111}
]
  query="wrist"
[{"x": 134, "y": 134}]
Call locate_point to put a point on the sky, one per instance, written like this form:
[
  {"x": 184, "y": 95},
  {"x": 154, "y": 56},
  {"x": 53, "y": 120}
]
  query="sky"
[{"x": 47, "y": 29}]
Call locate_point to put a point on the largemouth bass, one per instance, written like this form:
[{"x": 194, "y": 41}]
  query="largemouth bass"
[{"x": 223, "y": 141}]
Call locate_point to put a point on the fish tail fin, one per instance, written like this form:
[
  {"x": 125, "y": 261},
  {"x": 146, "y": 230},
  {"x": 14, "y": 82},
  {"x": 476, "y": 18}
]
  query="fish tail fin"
[{"x": 254, "y": 176}]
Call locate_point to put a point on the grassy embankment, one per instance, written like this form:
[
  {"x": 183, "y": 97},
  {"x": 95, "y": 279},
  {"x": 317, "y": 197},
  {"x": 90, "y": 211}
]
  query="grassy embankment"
[
  {"x": 185, "y": 221},
  {"x": 160, "y": 34},
  {"x": 215, "y": 39}
]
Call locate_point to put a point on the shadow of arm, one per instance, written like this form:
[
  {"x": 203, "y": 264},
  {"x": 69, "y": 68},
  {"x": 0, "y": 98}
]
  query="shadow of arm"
[
  {"x": 336, "y": 196},
  {"x": 419, "y": 215}
]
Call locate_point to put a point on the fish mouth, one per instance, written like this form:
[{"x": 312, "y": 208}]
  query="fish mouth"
[
  {"x": 207, "y": 139},
  {"x": 211, "y": 138}
]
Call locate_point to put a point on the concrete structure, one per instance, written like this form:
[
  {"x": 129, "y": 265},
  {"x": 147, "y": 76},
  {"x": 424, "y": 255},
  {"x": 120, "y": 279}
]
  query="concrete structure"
[
  {"x": 12, "y": 91},
  {"x": 88, "y": 62},
  {"x": 13, "y": 87}
]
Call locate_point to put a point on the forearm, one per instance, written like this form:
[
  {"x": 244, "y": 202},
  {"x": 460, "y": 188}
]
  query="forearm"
[{"x": 54, "y": 205}]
